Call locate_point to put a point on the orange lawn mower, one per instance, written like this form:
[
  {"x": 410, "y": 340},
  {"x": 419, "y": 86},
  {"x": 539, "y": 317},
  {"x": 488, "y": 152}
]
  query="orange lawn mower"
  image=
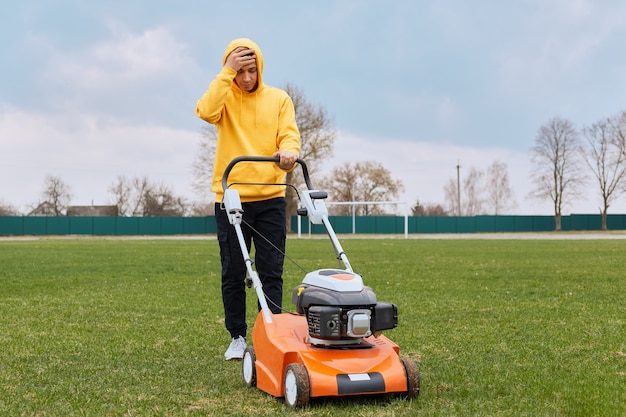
[{"x": 332, "y": 346}]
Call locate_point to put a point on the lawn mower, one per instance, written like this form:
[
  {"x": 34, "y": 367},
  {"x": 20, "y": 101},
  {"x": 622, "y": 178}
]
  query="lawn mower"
[{"x": 332, "y": 345}]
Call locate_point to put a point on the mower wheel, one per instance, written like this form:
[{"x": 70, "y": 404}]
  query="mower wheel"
[
  {"x": 412, "y": 377},
  {"x": 248, "y": 367},
  {"x": 297, "y": 386}
]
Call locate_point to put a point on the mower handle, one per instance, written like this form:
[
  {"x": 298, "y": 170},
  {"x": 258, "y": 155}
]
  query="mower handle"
[{"x": 305, "y": 170}]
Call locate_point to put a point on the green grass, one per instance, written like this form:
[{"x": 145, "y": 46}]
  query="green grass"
[{"x": 97, "y": 327}]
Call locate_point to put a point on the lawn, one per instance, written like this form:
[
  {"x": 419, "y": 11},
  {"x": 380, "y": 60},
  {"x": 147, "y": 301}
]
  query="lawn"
[{"x": 101, "y": 327}]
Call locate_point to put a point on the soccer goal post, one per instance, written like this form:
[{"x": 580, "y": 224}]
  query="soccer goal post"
[{"x": 363, "y": 203}]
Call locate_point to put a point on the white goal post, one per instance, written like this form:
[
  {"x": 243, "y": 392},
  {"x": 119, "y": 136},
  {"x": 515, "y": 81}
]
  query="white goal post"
[{"x": 362, "y": 203}]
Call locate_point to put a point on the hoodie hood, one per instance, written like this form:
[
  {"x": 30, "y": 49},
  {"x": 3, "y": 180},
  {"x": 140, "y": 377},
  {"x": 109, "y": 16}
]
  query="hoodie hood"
[{"x": 247, "y": 43}]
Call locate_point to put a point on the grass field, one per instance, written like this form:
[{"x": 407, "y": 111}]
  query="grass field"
[{"x": 98, "y": 327}]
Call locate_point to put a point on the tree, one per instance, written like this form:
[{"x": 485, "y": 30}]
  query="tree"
[
  {"x": 472, "y": 194},
  {"x": 451, "y": 193},
  {"x": 557, "y": 173},
  {"x": 317, "y": 132},
  {"x": 499, "y": 194},
  {"x": 317, "y": 140},
  {"x": 55, "y": 197},
  {"x": 125, "y": 194},
  {"x": 200, "y": 209},
  {"x": 141, "y": 197},
  {"x": 7, "y": 209},
  {"x": 420, "y": 209},
  {"x": 202, "y": 165},
  {"x": 481, "y": 193},
  {"x": 605, "y": 155},
  {"x": 365, "y": 182},
  {"x": 159, "y": 200}
]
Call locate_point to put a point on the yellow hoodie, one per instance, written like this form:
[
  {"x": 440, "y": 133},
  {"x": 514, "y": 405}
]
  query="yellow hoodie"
[{"x": 258, "y": 123}]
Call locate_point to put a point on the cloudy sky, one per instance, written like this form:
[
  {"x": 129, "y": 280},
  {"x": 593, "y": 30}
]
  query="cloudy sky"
[{"x": 93, "y": 90}]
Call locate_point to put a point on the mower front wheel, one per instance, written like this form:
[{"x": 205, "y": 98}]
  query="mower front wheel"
[
  {"x": 297, "y": 386},
  {"x": 248, "y": 367},
  {"x": 412, "y": 377}
]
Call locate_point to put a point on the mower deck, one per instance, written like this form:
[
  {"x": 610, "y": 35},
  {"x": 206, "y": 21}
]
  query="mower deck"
[{"x": 372, "y": 368}]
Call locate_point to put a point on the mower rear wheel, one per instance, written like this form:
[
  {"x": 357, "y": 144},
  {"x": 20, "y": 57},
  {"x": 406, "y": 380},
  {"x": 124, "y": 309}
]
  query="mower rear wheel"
[
  {"x": 248, "y": 367},
  {"x": 297, "y": 386},
  {"x": 412, "y": 377}
]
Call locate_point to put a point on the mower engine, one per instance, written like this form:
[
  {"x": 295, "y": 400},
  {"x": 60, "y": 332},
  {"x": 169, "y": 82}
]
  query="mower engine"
[{"x": 339, "y": 309}]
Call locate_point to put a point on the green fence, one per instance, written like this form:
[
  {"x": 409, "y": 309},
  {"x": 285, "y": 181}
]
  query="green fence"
[
  {"x": 454, "y": 224},
  {"x": 125, "y": 226},
  {"x": 26, "y": 226}
]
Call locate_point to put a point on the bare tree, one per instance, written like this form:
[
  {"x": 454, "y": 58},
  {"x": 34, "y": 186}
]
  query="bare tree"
[
  {"x": 159, "y": 200},
  {"x": 202, "y": 164},
  {"x": 450, "y": 190},
  {"x": 7, "y": 209},
  {"x": 317, "y": 140},
  {"x": 499, "y": 195},
  {"x": 420, "y": 209},
  {"x": 480, "y": 192},
  {"x": 55, "y": 197},
  {"x": 557, "y": 172},
  {"x": 202, "y": 209},
  {"x": 141, "y": 197},
  {"x": 364, "y": 181},
  {"x": 127, "y": 194},
  {"x": 121, "y": 191},
  {"x": 605, "y": 155},
  {"x": 317, "y": 132},
  {"x": 472, "y": 191}
]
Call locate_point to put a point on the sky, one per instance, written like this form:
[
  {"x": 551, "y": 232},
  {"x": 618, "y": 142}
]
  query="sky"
[{"x": 92, "y": 90}]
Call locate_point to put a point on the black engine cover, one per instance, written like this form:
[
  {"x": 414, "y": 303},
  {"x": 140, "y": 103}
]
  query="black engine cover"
[{"x": 327, "y": 310}]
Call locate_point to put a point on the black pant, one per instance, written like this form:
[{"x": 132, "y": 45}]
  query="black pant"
[{"x": 267, "y": 218}]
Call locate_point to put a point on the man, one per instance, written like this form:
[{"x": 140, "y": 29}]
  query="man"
[{"x": 251, "y": 119}]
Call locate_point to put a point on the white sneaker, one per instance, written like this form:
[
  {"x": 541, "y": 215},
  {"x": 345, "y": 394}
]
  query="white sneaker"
[{"x": 236, "y": 348}]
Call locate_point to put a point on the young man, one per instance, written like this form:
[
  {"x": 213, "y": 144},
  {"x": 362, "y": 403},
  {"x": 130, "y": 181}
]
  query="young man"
[{"x": 251, "y": 119}]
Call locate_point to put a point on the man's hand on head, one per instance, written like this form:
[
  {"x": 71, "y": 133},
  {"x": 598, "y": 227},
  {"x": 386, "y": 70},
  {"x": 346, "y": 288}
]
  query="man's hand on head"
[
  {"x": 287, "y": 159},
  {"x": 240, "y": 57}
]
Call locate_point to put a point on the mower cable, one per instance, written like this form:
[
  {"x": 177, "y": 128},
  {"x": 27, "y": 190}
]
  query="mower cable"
[
  {"x": 285, "y": 255},
  {"x": 274, "y": 246},
  {"x": 284, "y": 310}
]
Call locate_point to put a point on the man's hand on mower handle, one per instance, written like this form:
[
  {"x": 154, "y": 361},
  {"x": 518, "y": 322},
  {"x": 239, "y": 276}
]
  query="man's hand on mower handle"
[{"x": 287, "y": 159}]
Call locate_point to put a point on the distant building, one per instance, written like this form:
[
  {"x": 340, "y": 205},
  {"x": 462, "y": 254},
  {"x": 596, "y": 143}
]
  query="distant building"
[
  {"x": 44, "y": 209},
  {"x": 97, "y": 211}
]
